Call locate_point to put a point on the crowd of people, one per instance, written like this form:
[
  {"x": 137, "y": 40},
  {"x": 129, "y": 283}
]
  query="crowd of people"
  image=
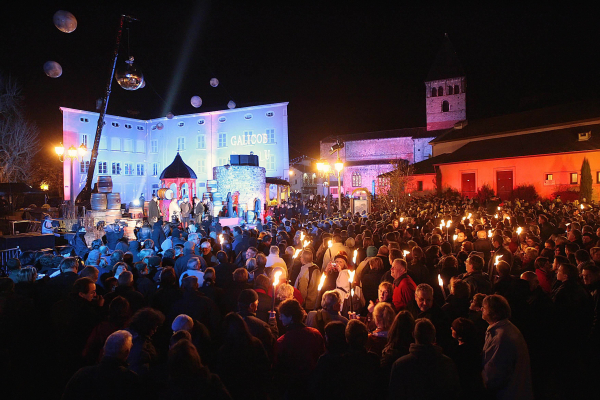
[{"x": 445, "y": 298}]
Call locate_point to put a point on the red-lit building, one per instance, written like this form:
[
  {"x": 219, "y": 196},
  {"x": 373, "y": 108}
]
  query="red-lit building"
[{"x": 544, "y": 148}]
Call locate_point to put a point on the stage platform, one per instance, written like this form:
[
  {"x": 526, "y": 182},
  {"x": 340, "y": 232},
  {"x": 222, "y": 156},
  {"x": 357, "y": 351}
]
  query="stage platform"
[
  {"x": 27, "y": 241},
  {"x": 231, "y": 222}
]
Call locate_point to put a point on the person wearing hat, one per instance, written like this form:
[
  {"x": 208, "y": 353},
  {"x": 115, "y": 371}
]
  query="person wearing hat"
[
  {"x": 207, "y": 254},
  {"x": 337, "y": 246}
]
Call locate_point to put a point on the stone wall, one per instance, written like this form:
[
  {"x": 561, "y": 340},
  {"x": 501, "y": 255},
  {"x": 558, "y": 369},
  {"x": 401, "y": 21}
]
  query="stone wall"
[
  {"x": 248, "y": 180},
  {"x": 436, "y": 118}
]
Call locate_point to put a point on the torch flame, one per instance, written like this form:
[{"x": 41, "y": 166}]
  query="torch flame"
[
  {"x": 276, "y": 278},
  {"x": 519, "y": 230},
  {"x": 454, "y": 237},
  {"x": 329, "y": 244},
  {"x": 296, "y": 253},
  {"x": 405, "y": 252},
  {"x": 448, "y": 224},
  {"x": 490, "y": 233},
  {"x": 497, "y": 259},
  {"x": 306, "y": 243},
  {"x": 354, "y": 258},
  {"x": 351, "y": 273},
  {"x": 469, "y": 216},
  {"x": 401, "y": 219},
  {"x": 301, "y": 236},
  {"x": 496, "y": 216},
  {"x": 322, "y": 281},
  {"x": 440, "y": 281},
  {"x": 221, "y": 238},
  {"x": 581, "y": 206}
]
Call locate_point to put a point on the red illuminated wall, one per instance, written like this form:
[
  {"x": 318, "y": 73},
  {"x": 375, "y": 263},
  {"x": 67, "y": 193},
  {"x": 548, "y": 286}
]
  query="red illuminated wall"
[{"x": 527, "y": 170}]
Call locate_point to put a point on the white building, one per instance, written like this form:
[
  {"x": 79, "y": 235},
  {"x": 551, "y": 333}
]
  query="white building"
[{"x": 134, "y": 152}]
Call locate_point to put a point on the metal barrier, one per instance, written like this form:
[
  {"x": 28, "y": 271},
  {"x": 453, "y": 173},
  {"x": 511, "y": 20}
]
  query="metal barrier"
[{"x": 6, "y": 255}]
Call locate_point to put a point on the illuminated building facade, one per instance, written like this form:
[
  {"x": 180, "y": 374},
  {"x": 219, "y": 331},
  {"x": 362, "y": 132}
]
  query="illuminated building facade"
[{"x": 135, "y": 152}]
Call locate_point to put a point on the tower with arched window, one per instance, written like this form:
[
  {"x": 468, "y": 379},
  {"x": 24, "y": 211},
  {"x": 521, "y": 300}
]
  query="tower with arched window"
[{"x": 445, "y": 90}]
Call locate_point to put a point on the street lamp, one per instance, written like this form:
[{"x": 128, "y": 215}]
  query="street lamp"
[
  {"x": 339, "y": 165},
  {"x": 72, "y": 153}
]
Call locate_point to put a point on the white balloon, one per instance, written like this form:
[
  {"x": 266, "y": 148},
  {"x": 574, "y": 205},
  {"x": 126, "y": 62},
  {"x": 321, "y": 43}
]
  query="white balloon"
[
  {"x": 52, "y": 69},
  {"x": 64, "y": 21},
  {"x": 214, "y": 82},
  {"x": 170, "y": 115},
  {"x": 159, "y": 126},
  {"x": 196, "y": 101},
  {"x": 231, "y": 104}
]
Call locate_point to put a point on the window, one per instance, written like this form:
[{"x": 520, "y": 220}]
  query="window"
[
  {"x": 84, "y": 119},
  {"x": 201, "y": 144},
  {"x": 155, "y": 169},
  {"x": 84, "y": 140},
  {"x": 181, "y": 143},
  {"x": 202, "y": 166},
  {"x": 269, "y": 113},
  {"x": 128, "y": 145},
  {"x": 200, "y": 122},
  {"x": 573, "y": 178},
  {"x": 248, "y": 116},
  {"x": 115, "y": 144},
  {"x": 115, "y": 124},
  {"x": 445, "y": 106},
  {"x": 419, "y": 186},
  {"x": 598, "y": 177},
  {"x": 271, "y": 162},
  {"x": 140, "y": 128},
  {"x": 433, "y": 92},
  {"x": 181, "y": 124},
  {"x": 247, "y": 135},
  {"x": 155, "y": 187},
  {"x": 449, "y": 91},
  {"x": 128, "y": 169},
  {"x": 154, "y": 146},
  {"x": 222, "y": 141},
  {"x": 102, "y": 167},
  {"x": 140, "y": 170},
  {"x": 116, "y": 168},
  {"x": 222, "y": 119},
  {"x": 103, "y": 144},
  {"x": 271, "y": 135},
  {"x": 223, "y": 161},
  {"x": 140, "y": 146},
  {"x": 356, "y": 179},
  {"x": 440, "y": 91},
  {"x": 549, "y": 177},
  {"x": 456, "y": 89},
  {"x": 84, "y": 167},
  {"x": 127, "y": 126}
]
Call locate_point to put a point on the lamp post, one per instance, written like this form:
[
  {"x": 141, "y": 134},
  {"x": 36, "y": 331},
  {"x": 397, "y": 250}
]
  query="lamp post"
[
  {"x": 339, "y": 165},
  {"x": 324, "y": 170},
  {"x": 72, "y": 153}
]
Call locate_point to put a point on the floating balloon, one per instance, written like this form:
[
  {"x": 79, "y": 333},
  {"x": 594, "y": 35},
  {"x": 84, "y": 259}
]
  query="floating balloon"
[
  {"x": 214, "y": 82},
  {"x": 170, "y": 115},
  {"x": 143, "y": 85},
  {"x": 231, "y": 104},
  {"x": 129, "y": 75},
  {"x": 52, "y": 69},
  {"x": 159, "y": 126},
  {"x": 196, "y": 101},
  {"x": 64, "y": 21}
]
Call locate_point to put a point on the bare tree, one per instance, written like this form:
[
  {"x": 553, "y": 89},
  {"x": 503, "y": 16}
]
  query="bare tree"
[
  {"x": 394, "y": 186},
  {"x": 19, "y": 142}
]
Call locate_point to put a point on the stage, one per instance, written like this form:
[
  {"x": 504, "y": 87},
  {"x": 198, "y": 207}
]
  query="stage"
[{"x": 27, "y": 241}]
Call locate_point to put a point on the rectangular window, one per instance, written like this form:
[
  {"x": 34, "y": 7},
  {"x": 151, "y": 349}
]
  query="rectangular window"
[
  {"x": 128, "y": 145},
  {"x": 154, "y": 146},
  {"x": 573, "y": 178},
  {"x": 202, "y": 166},
  {"x": 103, "y": 144},
  {"x": 181, "y": 143},
  {"x": 140, "y": 169},
  {"x": 598, "y": 177},
  {"x": 140, "y": 146},
  {"x": 116, "y": 168},
  {"x": 128, "y": 169},
  {"x": 84, "y": 140},
  {"x": 549, "y": 177},
  {"x": 247, "y": 136},
  {"x": 223, "y": 161},
  {"x": 271, "y": 135},
  {"x": 201, "y": 143},
  {"x": 271, "y": 162},
  {"x": 222, "y": 140},
  {"x": 115, "y": 144},
  {"x": 84, "y": 167},
  {"x": 102, "y": 167},
  {"x": 419, "y": 186},
  {"x": 155, "y": 169}
]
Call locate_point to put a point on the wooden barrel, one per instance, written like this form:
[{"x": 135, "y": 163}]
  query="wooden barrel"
[
  {"x": 213, "y": 189},
  {"x": 136, "y": 212},
  {"x": 166, "y": 194},
  {"x": 217, "y": 196},
  {"x": 211, "y": 182},
  {"x": 113, "y": 201},
  {"x": 105, "y": 184},
  {"x": 112, "y": 215},
  {"x": 98, "y": 201},
  {"x": 206, "y": 196}
]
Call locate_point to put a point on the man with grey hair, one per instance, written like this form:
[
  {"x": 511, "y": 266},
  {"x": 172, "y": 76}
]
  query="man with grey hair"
[
  {"x": 506, "y": 369},
  {"x": 194, "y": 265},
  {"x": 273, "y": 257},
  {"x": 125, "y": 289},
  {"x": 117, "y": 381},
  {"x": 332, "y": 304},
  {"x": 307, "y": 281}
]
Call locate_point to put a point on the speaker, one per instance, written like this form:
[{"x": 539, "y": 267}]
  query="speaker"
[{"x": 234, "y": 159}]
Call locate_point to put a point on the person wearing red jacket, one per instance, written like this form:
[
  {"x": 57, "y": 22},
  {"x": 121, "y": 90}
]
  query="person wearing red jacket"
[{"x": 404, "y": 286}]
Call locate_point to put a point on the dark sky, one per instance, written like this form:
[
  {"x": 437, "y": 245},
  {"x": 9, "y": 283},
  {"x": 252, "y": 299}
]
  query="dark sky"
[{"x": 343, "y": 68}]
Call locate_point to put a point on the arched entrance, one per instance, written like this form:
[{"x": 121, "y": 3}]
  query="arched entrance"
[{"x": 360, "y": 201}]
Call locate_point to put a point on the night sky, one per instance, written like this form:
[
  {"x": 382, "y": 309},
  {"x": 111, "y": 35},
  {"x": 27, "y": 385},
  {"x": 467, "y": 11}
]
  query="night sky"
[{"x": 343, "y": 68}]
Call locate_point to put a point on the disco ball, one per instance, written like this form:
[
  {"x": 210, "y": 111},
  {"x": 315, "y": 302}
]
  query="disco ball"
[
  {"x": 196, "y": 101},
  {"x": 129, "y": 76},
  {"x": 231, "y": 104},
  {"x": 52, "y": 69},
  {"x": 170, "y": 115},
  {"x": 214, "y": 82},
  {"x": 64, "y": 21},
  {"x": 159, "y": 126}
]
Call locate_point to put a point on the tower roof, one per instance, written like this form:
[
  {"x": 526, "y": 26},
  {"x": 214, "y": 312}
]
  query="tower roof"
[
  {"x": 178, "y": 169},
  {"x": 446, "y": 64}
]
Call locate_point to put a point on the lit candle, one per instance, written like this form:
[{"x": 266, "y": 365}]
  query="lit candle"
[{"x": 441, "y": 283}]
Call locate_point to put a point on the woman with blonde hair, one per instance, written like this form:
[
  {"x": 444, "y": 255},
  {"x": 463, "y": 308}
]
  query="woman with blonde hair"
[{"x": 383, "y": 315}]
